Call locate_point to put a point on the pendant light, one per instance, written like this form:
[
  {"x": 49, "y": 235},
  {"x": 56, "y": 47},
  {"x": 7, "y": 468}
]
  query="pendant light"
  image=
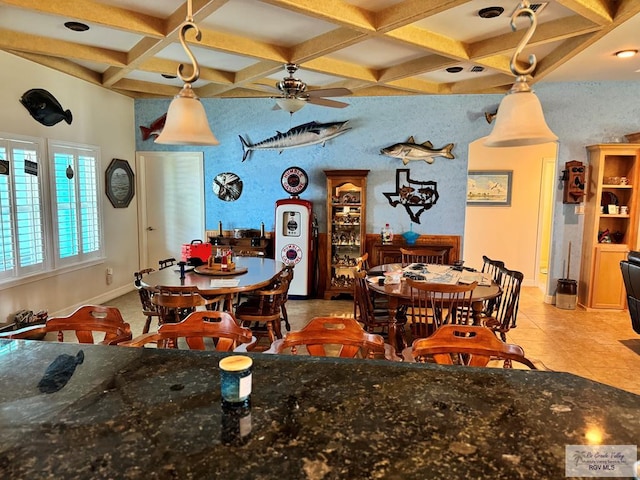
[
  {"x": 520, "y": 120},
  {"x": 186, "y": 122}
]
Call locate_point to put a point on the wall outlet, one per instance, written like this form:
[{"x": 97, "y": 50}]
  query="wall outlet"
[
  {"x": 579, "y": 210},
  {"x": 109, "y": 275}
]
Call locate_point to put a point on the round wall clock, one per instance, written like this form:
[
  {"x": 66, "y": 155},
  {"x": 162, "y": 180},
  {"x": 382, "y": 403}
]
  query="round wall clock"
[
  {"x": 294, "y": 180},
  {"x": 227, "y": 186}
]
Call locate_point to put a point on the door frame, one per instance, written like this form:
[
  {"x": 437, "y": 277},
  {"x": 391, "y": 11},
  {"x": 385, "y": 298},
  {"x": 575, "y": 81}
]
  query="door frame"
[{"x": 141, "y": 189}]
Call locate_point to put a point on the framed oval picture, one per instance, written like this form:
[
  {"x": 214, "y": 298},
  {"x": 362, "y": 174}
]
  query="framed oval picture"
[{"x": 119, "y": 183}]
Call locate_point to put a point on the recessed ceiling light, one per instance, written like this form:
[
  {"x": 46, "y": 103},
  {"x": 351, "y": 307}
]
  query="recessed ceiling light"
[
  {"x": 454, "y": 69},
  {"x": 76, "y": 26},
  {"x": 626, "y": 53},
  {"x": 170, "y": 77},
  {"x": 490, "y": 12}
]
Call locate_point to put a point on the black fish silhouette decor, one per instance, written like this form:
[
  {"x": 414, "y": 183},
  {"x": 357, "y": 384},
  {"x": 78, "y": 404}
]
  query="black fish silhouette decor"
[
  {"x": 44, "y": 107},
  {"x": 59, "y": 372}
]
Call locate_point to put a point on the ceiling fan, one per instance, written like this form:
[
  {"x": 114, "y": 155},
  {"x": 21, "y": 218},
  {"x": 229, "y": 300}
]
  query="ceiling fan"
[{"x": 294, "y": 93}]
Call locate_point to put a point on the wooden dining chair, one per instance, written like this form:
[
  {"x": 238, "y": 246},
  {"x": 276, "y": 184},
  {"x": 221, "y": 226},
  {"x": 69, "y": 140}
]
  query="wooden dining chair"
[
  {"x": 336, "y": 337},
  {"x": 200, "y": 330},
  {"x": 471, "y": 345},
  {"x": 503, "y": 317},
  {"x": 175, "y": 303},
  {"x": 493, "y": 269},
  {"x": 262, "y": 312},
  {"x": 149, "y": 309},
  {"x": 437, "y": 304},
  {"x": 424, "y": 255},
  {"x": 89, "y": 323},
  {"x": 374, "y": 320}
]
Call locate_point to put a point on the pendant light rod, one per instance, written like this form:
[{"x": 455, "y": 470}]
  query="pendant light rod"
[
  {"x": 187, "y": 25},
  {"x": 523, "y": 9}
]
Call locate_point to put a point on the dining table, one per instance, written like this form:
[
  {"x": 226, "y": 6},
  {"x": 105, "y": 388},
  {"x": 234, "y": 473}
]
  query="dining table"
[
  {"x": 251, "y": 273},
  {"x": 88, "y": 412},
  {"x": 400, "y": 293}
]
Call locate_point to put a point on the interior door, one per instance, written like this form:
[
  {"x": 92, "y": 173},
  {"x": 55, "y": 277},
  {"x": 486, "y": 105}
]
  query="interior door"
[{"x": 170, "y": 189}]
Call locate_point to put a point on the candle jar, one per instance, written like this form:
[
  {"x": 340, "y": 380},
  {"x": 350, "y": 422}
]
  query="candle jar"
[{"x": 235, "y": 379}]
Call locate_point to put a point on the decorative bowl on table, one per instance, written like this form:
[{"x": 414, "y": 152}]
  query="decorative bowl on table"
[{"x": 410, "y": 237}]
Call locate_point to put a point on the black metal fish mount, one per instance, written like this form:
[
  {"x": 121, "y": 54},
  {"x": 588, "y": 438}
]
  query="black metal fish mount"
[
  {"x": 44, "y": 107},
  {"x": 59, "y": 372}
]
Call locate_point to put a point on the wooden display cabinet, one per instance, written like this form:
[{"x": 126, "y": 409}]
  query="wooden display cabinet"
[
  {"x": 608, "y": 236},
  {"x": 346, "y": 222}
]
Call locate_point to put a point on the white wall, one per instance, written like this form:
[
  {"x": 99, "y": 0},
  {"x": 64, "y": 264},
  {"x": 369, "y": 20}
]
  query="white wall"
[
  {"x": 507, "y": 233},
  {"x": 101, "y": 118}
]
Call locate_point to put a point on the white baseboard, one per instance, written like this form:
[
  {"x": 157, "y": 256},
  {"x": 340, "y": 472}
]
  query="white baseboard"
[{"x": 97, "y": 300}]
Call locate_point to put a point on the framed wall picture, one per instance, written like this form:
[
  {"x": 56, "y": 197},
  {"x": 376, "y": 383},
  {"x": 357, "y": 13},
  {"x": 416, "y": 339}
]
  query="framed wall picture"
[
  {"x": 119, "y": 183},
  {"x": 489, "y": 187}
]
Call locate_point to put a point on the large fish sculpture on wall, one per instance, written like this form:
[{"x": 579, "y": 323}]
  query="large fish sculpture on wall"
[
  {"x": 410, "y": 150},
  {"x": 307, "y": 134},
  {"x": 44, "y": 107}
]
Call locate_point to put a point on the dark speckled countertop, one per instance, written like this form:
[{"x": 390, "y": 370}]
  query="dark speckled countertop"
[{"x": 128, "y": 413}]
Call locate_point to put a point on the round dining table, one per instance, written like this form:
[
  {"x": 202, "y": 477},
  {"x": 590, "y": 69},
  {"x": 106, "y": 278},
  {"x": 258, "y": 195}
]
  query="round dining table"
[
  {"x": 253, "y": 273},
  {"x": 400, "y": 293}
]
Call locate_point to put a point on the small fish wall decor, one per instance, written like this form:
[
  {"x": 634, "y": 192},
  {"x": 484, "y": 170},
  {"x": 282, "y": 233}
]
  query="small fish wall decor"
[
  {"x": 415, "y": 196},
  {"x": 154, "y": 129},
  {"x": 410, "y": 150},
  {"x": 301, "y": 136},
  {"x": 44, "y": 107}
]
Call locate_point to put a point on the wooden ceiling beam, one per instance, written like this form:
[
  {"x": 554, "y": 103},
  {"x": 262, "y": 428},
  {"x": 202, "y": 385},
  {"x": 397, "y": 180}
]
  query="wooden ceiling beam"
[
  {"x": 24, "y": 42},
  {"x": 87, "y": 11},
  {"x": 410, "y": 11},
  {"x": 597, "y": 11},
  {"x": 336, "y": 12}
]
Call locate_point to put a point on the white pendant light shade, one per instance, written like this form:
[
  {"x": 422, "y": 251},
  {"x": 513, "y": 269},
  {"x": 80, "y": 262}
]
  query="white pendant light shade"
[
  {"x": 519, "y": 122},
  {"x": 186, "y": 122}
]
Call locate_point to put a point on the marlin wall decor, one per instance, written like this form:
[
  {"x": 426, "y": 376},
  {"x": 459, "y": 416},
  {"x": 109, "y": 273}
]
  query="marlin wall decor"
[
  {"x": 415, "y": 195},
  {"x": 306, "y": 134}
]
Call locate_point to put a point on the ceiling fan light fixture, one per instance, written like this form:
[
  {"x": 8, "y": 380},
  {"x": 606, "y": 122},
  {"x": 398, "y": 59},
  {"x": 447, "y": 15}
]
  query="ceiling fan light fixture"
[
  {"x": 291, "y": 105},
  {"x": 520, "y": 120},
  {"x": 626, "y": 53},
  {"x": 186, "y": 122}
]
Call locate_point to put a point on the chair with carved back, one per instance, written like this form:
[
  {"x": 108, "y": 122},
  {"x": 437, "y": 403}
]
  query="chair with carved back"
[
  {"x": 89, "y": 323},
  {"x": 424, "y": 255},
  {"x": 493, "y": 269},
  {"x": 149, "y": 310},
  {"x": 506, "y": 311},
  {"x": 201, "y": 330},
  {"x": 374, "y": 320},
  {"x": 334, "y": 336},
  {"x": 437, "y": 304},
  {"x": 262, "y": 312},
  {"x": 470, "y": 345},
  {"x": 286, "y": 276}
]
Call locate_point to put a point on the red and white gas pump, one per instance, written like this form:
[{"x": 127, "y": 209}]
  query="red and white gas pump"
[{"x": 294, "y": 232}]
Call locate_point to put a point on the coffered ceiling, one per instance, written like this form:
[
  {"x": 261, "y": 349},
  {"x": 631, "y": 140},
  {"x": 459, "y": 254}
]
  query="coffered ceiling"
[{"x": 372, "y": 47}]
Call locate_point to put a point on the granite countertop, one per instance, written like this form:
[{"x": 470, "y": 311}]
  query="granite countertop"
[{"x": 129, "y": 413}]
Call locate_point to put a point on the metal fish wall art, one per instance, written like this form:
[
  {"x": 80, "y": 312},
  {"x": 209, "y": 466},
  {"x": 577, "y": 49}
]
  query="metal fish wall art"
[
  {"x": 154, "y": 129},
  {"x": 44, "y": 107},
  {"x": 410, "y": 150},
  {"x": 301, "y": 136}
]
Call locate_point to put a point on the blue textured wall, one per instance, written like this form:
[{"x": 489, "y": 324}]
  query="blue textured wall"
[{"x": 580, "y": 114}]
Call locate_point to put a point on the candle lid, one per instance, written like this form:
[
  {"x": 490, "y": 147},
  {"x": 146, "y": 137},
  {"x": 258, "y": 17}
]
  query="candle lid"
[{"x": 235, "y": 363}]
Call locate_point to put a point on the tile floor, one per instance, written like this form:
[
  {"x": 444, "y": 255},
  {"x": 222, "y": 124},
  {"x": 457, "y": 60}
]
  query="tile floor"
[{"x": 601, "y": 346}]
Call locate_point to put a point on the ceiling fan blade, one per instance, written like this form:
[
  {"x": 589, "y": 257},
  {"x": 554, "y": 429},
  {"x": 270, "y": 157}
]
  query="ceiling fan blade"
[
  {"x": 325, "y": 102},
  {"x": 329, "y": 92}
]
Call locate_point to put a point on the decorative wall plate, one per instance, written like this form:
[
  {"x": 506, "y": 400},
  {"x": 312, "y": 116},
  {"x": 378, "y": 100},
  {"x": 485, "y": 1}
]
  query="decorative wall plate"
[
  {"x": 227, "y": 186},
  {"x": 294, "y": 180}
]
